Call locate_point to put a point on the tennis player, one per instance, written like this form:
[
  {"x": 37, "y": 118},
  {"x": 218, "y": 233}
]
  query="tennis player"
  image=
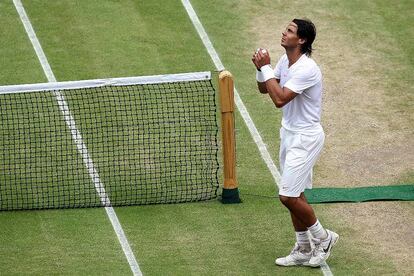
[{"x": 295, "y": 85}]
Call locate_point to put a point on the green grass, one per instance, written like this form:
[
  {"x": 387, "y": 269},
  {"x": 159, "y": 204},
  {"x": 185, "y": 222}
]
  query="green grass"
[
  {"x": 98, "y": 39},
  {"x": 207, "y": 239},
  {"x": 61, "y": 242},
  {"x": 19, "y": 61}
]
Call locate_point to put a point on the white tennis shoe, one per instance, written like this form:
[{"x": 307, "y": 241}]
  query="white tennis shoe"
[
  {"x": 323, "y": 248},
  {"x": 296, "y": 257}
]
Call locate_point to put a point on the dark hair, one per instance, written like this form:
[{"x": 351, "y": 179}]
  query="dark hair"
[{"x": 307, "y": 31}]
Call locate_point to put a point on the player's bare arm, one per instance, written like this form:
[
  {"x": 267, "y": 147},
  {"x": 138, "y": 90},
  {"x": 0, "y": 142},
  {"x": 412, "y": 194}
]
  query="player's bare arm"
[
  {"x": 280, "y": 96},
  {"x": 262, "y": 86}
]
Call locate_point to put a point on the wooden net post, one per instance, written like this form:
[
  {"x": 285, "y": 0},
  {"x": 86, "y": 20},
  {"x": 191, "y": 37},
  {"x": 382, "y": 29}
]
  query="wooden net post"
[{"x": 230, "y": 188}]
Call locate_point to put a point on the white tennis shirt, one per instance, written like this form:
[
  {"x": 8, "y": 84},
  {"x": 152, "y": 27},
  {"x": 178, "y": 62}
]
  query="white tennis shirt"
[{"x": 303, "y": 113}]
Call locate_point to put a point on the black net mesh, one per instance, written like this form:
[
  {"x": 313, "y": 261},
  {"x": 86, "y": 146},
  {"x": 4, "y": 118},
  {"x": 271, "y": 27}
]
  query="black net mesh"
[{"x": 136, "y": 144}]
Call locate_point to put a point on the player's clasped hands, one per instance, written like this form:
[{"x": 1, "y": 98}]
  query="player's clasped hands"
[{"x": 260, "y": 58}]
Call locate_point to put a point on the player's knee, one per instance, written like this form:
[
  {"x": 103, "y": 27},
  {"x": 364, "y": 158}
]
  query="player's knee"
[{"x": 287, "y": 201}]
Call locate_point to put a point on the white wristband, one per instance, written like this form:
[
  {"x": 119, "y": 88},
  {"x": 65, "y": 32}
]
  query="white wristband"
[
  {"x": 267, "y": 72},
  {"x": 259, "y": 76}
]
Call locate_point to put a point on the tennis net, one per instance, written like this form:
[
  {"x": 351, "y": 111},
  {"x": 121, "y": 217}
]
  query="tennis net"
[{"x": 109, "y": 142}]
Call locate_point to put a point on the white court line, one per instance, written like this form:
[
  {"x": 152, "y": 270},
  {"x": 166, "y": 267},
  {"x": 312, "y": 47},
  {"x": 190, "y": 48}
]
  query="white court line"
[
  {"x": 240, "y": 105},
  {"x": 76, "y": 135},
  {"x": 326, "y": 270}
]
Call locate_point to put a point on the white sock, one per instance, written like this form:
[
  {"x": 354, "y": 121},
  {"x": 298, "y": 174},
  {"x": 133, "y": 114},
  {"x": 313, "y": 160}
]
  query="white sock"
[
  {"x": 317, "y": 231},
  {"x": 302, "y": 239}
]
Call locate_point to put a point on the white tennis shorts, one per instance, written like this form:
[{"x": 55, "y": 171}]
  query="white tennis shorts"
[{"x": 298, "y": 154}]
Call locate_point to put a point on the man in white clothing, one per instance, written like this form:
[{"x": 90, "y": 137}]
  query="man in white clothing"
[{"x": 295, "y": 85}]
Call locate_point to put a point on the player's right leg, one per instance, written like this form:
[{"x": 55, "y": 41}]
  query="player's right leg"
[{"x": 323, "y": 248}]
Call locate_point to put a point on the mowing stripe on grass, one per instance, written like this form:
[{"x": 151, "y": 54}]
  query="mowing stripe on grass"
[
  {"x": 76, "y": 135},
  {"x": 240, "y": 106}
]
